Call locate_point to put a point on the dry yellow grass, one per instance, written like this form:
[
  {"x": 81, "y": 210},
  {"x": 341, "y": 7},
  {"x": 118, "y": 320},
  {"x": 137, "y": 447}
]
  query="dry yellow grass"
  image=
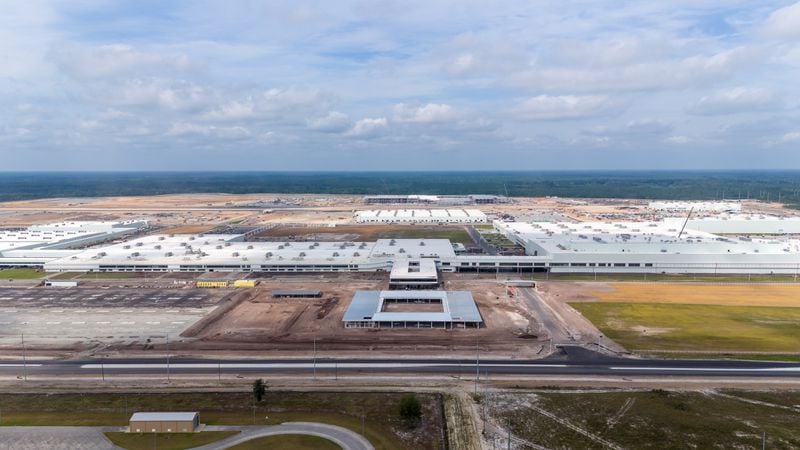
[{"x": 781, "y": 295}]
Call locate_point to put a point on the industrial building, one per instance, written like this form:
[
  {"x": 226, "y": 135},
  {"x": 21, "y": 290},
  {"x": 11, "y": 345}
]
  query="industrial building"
[
  {"x": 296, "y": 293},
  {"x": 668, "y": 246},
  {"x": 420, "y": 216},
  {"x": 676, "y": 206},
  {"x": 716, "y": 244},
  {"x": 412, "y": 309},
  {"x": 475, "y": 199},
  {"x": 413, "y": 274},
  {"x": 35, "y": 245},
  {"x": 164, "y": 422}
]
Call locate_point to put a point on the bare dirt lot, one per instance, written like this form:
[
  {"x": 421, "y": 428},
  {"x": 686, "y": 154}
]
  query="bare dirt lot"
[
  {"x": 280, "y": 325},
  {"x": 366, "y": 233}
]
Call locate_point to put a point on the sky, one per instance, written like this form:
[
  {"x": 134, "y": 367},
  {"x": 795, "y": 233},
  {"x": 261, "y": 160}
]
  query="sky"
[{"x": 399, "y": 85}]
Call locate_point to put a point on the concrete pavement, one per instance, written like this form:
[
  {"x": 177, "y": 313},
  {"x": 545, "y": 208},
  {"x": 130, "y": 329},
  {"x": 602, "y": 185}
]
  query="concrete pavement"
[
  {"x": 343, "y": 437},
  {"x": 56, "y": 438}
]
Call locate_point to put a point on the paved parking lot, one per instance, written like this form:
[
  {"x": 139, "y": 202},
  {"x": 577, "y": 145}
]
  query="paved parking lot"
[
  {"x": 64, "y": 316},
  {"x": 41, "y": 297},
  {"x": 55, "y": 438}
]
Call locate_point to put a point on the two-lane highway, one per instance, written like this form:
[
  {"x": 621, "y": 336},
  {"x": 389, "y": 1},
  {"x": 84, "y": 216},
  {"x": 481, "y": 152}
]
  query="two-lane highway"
[{"x": 577, "y": 362}]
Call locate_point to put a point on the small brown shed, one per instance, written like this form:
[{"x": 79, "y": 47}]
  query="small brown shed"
[{"x": 164, "y": 422}]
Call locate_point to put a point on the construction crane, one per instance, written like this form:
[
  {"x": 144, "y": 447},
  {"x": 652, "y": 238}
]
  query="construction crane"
[{"x": 686, "y": 221}]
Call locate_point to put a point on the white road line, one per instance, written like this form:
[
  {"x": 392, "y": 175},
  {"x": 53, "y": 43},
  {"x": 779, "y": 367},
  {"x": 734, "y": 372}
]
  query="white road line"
[
  {"x": 20, "y": 365},
  {"x": 300, "y": 365},
  {"x": 719, "y": 369},
  {"x": 78, "y": 323},
  {"x": 102, "y": 323}
]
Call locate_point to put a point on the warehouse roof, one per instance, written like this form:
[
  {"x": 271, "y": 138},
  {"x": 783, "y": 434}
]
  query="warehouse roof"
[{"x": 163, "y": 416}]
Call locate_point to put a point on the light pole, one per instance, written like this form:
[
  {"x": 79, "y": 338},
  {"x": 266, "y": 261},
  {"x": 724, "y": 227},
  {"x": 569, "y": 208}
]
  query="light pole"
[
  {"x": 477, "y": 364},
  {"x": 315, "y": 357},
  {"x": 24, "y": 360},
  {"x": 168, "y": 379}
]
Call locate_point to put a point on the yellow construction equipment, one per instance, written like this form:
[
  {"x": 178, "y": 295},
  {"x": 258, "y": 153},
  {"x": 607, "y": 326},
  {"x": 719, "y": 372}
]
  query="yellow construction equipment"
[{"x": 245, "y": 283}]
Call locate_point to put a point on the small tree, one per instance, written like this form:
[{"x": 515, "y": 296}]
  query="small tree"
[
  {"x": 259, "y": 389},
  {"x": 410, "y": 409}
]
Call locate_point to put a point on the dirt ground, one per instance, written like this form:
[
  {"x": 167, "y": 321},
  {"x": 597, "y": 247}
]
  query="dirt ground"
[
  {"x": 354, "y": 232},
  {"x": 290, "y": 326}
]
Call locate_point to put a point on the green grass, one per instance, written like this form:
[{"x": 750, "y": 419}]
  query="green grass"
[
  {"x": 651, "y": 420},
  {"x": 166, "y": 441},
  {"x": 65, "y": 276},
  {"x": 21, "y": 274},
  {"x": 288, "y": 442},
  {"x": 457, "y": 235},
  {"x": 106, "y": 275},
  {"x": 788, "y": 357},
  {"x": 383, "y": 426},
  {"x": 653, "y": 326}
]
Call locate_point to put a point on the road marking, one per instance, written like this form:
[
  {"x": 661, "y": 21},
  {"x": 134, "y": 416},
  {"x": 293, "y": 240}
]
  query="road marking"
[
  {"x": 20, "y": 365},
  {"x": 78, "y": 323},
  {"x": 713, "y": 369},
  {"x": 321, "y": 365},
  {"x": 102, "y": 323}
]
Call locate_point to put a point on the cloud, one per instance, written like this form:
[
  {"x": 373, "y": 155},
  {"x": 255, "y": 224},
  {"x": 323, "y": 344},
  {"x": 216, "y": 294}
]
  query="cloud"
[
  {"x": 793, "y": 136},
  {"x": 113, "y": 60},
  {"x": 333, "y": 122},
  {"x": 784, "y": 23},
  {"x": 183, "y": 129},
  {"x": 368, "y": 128},
  {"x": 430, "y": 113},
  {"x": 561, "y": 107},
  {"x": 165, "y": 94},
  {"x": 735, "y": 100}
]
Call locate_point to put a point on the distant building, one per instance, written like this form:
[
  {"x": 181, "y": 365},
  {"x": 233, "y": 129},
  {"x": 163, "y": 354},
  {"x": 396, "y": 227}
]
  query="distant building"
[
  {"x": 475, "y": 199},
  {"x": 421, "y": 216},
  {"x": 164, "y": 422},
  {"x": 413, "y": 274}
]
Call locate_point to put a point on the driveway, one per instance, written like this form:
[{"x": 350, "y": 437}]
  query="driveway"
[{"x": 345, "y": 438}]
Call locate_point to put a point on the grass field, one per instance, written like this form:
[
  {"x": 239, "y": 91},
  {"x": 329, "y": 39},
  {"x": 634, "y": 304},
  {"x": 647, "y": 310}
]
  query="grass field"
[
  {"x": 166, "y": 441},
  {"x": 384, "y": 429},
  {"x": 107, "y": 275},
  {"x": 288, "y": 442},
  {"x": 21, "y": 274},
  {"x": 648, "y": 419},
  {"x": 784, "y": 295},
  {"x": 660, "y": 326}
]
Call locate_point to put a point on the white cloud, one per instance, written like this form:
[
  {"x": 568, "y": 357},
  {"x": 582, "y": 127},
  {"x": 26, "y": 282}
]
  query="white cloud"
[
  {"x": 233, "y": 110},
  {"x": 333, "y": 122},
  {"x": 560, "y": 107},
  {"x": 784, "y": 23},
  {"x": 164, "y": 94},
  {"x": 368, "y": 127},
  {"x": 183, "y": 129},
  {"x": 86, "y": 62},
  {"x": 735, "y": 100},
  {"x": 793, "y": 136},
  {"x": 430, "y": 113}
]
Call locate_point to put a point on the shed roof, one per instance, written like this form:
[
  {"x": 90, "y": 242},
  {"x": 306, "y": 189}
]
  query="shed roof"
[{"x": 163, "y": 416}]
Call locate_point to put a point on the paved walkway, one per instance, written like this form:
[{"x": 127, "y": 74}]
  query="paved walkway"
[
  {"x": 55, "y": 438},
  {"x": 345, "y": 438}
]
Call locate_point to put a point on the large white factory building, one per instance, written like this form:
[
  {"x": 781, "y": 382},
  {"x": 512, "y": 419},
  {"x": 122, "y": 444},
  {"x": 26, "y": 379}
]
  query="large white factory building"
[{"x": 638, "y": 247}]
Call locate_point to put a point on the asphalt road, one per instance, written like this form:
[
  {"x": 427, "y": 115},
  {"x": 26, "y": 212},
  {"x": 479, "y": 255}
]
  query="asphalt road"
[{"x": 572, "y": 361}]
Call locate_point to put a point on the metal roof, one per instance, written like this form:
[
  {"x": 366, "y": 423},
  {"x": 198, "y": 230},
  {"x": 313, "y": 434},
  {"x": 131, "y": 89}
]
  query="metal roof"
[
  {"x": 163, "y": 416},
  {"x": 296, "y": 293},
  {"x": 457, "y": 306}
]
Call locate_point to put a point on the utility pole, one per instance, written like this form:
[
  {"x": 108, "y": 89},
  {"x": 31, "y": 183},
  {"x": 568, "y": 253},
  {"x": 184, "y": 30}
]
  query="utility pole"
[
  {"x": 315, "y": 357},
  {"x": 168, "y": 357},
  {"x": 477, "y": 363},
  {"x": 219, "y": 371},
  {"x": 763, "y": 440},
  {"x": 24, "y": 360}
]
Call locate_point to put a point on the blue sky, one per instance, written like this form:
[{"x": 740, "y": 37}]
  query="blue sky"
[{"x": 394, "y": 85}]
